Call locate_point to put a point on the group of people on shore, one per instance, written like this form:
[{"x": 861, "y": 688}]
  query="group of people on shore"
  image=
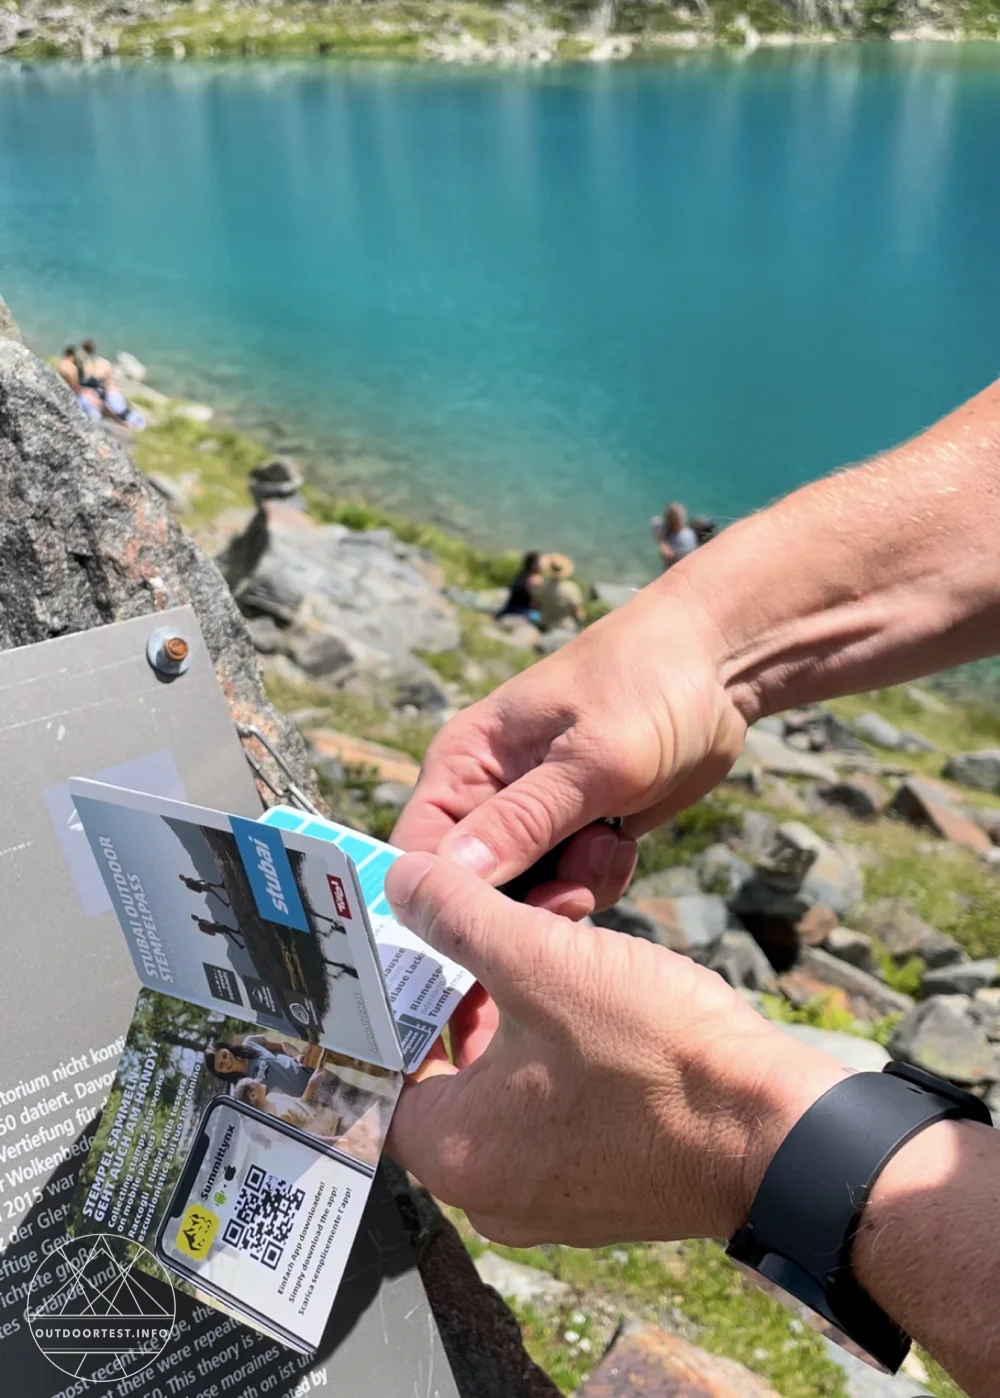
[
  {"x": 546, "y": 594},
  {"x": 89, "y": 375}
]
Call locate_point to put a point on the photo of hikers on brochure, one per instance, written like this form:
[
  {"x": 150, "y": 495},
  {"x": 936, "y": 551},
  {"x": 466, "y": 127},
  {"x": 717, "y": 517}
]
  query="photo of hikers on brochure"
[
  {"x": 235, "y": 1155},
  {"x": 226, "y": 912}
]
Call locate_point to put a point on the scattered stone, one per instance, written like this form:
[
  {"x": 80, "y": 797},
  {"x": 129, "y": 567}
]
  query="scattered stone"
[
  {"x": 130, "y": 368},
  {"x": 739, "y": 960},
  {"x": 277, "y": 479},
  {"x": 986, "y": 1009},
  {"x": 774, "y": 755},
  {"x": 802, "y": 990},
  {"x": 647, "y": 1360},
  {"x": 9, "y": 328},
  {"x": 856, "y": 948},
  {"x": 895, "y": 923},
  {"x": 267, "y": 636},
  {"x": 721, "y": 871},
  {"x": 863, "y": 1055},
  {"x": 516, "y": 1282},
  {"x": 389, "y": 764},
  {"x": 517, "y": 631},
  {"x": 172, "y": 491},
  {"x": 419, "y": 687},
  {"x": 745, "y": 772},
  {"x": 692, "y": 924},
  {"x": 823, "y": 730},
  {"x": 679, "y": 882},
  {"x": 964, "y": 978},
  {"x": 916, "y": 742},
  {"x": 772, "y": 724},
  {"x": 802, "y": 862},
  {"x": 614, "y": 594},
  {"x": 624, "y": 916},
  {"x": 392, "y": 795},
  {"x": 869, "y": 997},
  {"x": 322, "y": 655},
  {"x": 980, "y": 770},
  {"x": 927, "y": 803},
  {"x": 878, "y": 730},
  {"x": 988, "y": 819},
  {"x": 757, "y": 831},
  {"x": 859, "y": 794},
  {"x": 941, "y": 1036},
  {"x": 815, "y": 925},
  {"x": 551, "y": 641}
]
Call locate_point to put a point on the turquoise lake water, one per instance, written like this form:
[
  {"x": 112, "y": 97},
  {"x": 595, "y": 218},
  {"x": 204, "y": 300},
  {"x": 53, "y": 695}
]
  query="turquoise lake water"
[{"x": 535, "y": 304}]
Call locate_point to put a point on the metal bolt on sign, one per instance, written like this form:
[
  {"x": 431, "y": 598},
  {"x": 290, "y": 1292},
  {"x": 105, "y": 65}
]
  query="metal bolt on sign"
[{"x": 168, "y": 652}]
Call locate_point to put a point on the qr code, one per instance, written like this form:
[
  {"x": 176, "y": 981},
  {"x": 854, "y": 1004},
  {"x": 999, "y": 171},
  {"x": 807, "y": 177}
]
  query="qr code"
[{"x": 264, "y": 1216}]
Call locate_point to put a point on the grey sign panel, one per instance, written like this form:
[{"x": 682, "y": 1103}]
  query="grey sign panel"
[{"x": 90, "y": 704}]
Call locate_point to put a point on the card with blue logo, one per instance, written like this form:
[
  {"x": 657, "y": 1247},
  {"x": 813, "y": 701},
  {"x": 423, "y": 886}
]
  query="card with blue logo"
[{"x": 246, "y": 918}]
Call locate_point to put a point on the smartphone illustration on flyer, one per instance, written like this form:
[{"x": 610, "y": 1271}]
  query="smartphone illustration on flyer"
[{"x": 262, "y": 1219}]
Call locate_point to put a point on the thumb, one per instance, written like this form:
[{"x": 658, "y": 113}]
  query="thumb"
[
  {"x": 511, "y": 831},
  {"x": 504, "y": 944}
]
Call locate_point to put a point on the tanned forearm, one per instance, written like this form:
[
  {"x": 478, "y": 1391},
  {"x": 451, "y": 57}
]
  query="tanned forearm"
[{"x": 878, "y": 574}]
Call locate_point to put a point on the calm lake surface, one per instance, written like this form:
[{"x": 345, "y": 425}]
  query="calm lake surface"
[{"x": 534, "y": 304}]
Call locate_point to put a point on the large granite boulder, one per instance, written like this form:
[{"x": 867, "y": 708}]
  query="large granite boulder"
[{"x": 84, "y": 541}]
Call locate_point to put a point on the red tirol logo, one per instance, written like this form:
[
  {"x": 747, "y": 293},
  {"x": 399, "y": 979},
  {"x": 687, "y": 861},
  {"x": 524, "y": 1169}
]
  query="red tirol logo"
[{"x": 339, "y": 895}]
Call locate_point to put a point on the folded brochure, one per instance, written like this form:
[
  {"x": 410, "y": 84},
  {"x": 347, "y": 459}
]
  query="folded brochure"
[{"x": 281, "y": 1006}]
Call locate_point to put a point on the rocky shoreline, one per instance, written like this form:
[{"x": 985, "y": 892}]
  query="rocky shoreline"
[{"x": 467, "y": 31}]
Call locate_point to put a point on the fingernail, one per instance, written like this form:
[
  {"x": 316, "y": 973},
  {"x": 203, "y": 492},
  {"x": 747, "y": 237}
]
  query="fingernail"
[
  {"x": 403, "y": 879},
  {"x": 601, "y": 853},
  {"x": 624, "y": 860},
  {"x": 470, "y": 853}
]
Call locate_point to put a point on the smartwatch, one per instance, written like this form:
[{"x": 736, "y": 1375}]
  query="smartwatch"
[{"x": 806, "y": 1213}]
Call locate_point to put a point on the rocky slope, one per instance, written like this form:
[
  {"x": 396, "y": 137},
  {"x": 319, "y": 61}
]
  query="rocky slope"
[{"x": 465, "y": 31}]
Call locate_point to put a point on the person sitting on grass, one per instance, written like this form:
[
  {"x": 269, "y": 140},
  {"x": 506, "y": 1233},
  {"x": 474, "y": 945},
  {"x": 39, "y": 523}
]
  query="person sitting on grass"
[
  {"x": 557, "y": 597},
  {"x": 520, "y": 600}
]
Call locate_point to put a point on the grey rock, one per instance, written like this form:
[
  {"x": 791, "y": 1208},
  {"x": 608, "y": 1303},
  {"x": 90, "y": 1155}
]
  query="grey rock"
[
  {"x": 863, "y": 1055},
  {"x": 721, "y": 871},
  {"x": 367, "y": 587},
  {"x": 614, "y": 594},
  {"x": 757, "y": 831},
  {"x": 822, "y": 731},
  {"x": 904, "y": 934},
  {"x": 277, "y": 479},
  {"x": 773, "y": 724},
  {"x": 624, "y": 916},
  {"x": 941, "y": 1036},
  {"x": 930, "y": 703},
  {"x": 9, "y": 329},
  {"x": 980, "y": 770},
  {"x": 774, "y": 755},
  {"x": 551, "y": 641},
  {"x": 490, "y": 600},
  {"x": 858, "y": 984},
  {"x": 524, "y": 1285},
  {"x": 878, "y": 730},
  {"x": 739, "y": 960},
  {"x": 916, "y": 742},
  {"x": 859, "y": 794},
  {"x": 267, "y": 636},
  {"x": 986, "y": 1009},
  {"x": 517, "y": 631},
  {"x": 678, "y": 882},
  {"x": 128, "y": 367},
  {"x": 322, "y": 655},
  {"x": 963, "y": 978},
  {"x": 800, "y": 861},
  {"x": 172, "y": 491},
  {"x": 857, "y": 948},
  {"x": 393, "y": 795},
  {"x": 992, "y": 1100},
  {"x": 415, "y": 685}
]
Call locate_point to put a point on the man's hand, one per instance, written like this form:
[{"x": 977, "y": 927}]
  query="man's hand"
[
  {"x": 629, "y": 720},
  {"x": 626, "y": 1094}
]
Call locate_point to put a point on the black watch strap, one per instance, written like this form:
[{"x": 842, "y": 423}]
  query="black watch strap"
[{"x": 805, "y": 1215}]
